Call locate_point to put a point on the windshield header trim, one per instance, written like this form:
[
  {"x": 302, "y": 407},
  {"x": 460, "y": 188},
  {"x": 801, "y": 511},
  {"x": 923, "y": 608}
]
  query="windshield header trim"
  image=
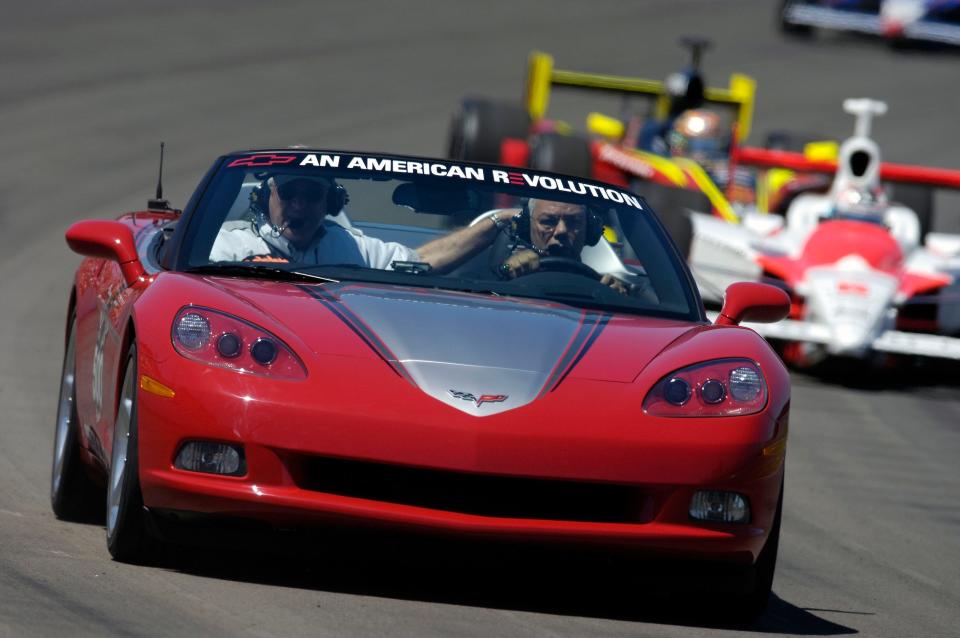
[{"x": 491, "y": 174}]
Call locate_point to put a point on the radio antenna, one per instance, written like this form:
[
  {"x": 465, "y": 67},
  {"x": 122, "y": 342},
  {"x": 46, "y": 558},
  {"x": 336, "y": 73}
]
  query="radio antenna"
[{"x": 159, "y": 203}]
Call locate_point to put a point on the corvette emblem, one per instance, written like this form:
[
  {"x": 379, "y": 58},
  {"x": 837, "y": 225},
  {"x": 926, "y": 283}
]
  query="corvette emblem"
[{"x": 483, "y": 398}]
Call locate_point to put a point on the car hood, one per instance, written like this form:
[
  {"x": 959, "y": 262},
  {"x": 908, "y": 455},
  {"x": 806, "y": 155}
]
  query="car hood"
[{"x": 477, "y": 353}]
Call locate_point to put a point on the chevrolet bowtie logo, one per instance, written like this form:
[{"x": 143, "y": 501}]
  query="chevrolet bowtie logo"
[{"x": 483, "y": 398}]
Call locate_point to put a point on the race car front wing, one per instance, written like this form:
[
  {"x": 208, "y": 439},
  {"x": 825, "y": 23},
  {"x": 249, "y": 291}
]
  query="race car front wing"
[{"x": 893, "y": 341}]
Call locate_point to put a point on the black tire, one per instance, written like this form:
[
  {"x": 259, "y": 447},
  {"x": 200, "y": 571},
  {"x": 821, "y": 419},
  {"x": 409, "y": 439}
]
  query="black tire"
[
  {"x": 751, "y": 601},
  {"x": 73, "y": 496},
  {"x": 919, "y": 199},
  {"x": 789, "y": 29},
  {"x": 479, "y": 127},
  {"x": 763, "y": 570},
  {"x": 567, "y": 154},
  {"x": 128, "y": 537},
  {"x": 672, "y": 205}
]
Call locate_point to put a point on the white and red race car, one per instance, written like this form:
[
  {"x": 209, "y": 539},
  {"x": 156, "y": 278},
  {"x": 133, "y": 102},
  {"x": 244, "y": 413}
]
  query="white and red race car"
[
  {"x": 930, "y": 21},
  {"x": 865, "y": 276}
]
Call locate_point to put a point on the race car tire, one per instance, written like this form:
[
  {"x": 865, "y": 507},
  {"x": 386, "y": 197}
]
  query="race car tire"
[
  {"x": 788, "y": 28},
  {"x": 557, "y": 153},
  {"x": 73, "y": 496},
  {"x": 128, "y": 538},
  {"x": 919, "y": 199},
  {"x": 479, "y": 127}
]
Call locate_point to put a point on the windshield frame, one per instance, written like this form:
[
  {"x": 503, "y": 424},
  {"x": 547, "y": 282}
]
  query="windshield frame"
[{"x": 191, "y": 223}]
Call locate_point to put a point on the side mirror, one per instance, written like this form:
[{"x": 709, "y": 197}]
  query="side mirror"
[
  {"x": 107, "y": 240},
  {"x": 750, "y": 301}
]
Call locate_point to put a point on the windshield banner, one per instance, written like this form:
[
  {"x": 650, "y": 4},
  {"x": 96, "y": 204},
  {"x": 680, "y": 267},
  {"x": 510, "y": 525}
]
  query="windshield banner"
[{"x": 439, "y": 169}]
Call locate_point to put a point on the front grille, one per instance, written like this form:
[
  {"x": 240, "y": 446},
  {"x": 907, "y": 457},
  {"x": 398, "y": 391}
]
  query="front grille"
[{"x": 479, "y": 494}]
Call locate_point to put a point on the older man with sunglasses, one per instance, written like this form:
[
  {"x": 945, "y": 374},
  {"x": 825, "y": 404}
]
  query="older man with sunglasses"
[{"x": 293, "y": 226}]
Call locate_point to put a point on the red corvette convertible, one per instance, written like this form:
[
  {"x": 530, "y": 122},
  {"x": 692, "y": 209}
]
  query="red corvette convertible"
[{"x": 308, "y": 343}]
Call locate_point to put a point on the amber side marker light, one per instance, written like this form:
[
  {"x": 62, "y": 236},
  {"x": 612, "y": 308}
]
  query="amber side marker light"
[{"x": 155, "y": 387}]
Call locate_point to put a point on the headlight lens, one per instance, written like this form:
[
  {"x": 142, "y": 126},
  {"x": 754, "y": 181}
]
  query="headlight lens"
[
  {"x": 192, "y": 330},
  {"x": 725, "y": 387},
  {"x": 239, "y": 345}
]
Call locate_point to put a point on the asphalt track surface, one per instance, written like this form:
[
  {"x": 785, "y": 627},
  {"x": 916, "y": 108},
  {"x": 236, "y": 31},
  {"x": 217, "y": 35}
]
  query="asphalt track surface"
[{"x": 871, "y": 530}]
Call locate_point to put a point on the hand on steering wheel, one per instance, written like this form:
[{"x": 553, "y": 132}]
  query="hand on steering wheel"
[
  {"x": 527, "y": 262},
  {"x": 566, "y": 264}
]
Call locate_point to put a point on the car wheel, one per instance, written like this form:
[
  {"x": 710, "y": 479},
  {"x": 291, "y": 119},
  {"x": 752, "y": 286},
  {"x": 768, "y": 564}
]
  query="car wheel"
[
  {"x": 765, "y": 567},
  {"x": 73, "y": 496},
  {"x": 557, "y": 153},
  {"x": 747, "y": 605},
  {"x": 479, "y": 127},
  {"x": 128, "y": 539},
  {"x": 919, "y": 199}
]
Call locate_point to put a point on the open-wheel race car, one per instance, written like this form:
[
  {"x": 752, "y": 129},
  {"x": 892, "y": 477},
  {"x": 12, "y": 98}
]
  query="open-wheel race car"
[
  {"x": 672, "y": 141},
  {"x": 868, "y": 276},
  {"x": 309, "y": 343}
]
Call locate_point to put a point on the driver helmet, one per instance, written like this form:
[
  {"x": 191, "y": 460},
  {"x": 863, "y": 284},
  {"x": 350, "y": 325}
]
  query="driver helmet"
[
  {"x": 697, "y": 134},
  {"x": 860, "y": 203}
]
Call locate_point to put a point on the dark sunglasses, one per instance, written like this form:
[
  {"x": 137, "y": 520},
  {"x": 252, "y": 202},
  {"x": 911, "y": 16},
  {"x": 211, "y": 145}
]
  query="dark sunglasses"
[{"x": 306, "y": 190}]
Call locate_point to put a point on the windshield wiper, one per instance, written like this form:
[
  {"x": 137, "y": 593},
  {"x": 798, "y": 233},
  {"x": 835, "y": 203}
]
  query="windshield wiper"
[{"x": 263, "y": 272}]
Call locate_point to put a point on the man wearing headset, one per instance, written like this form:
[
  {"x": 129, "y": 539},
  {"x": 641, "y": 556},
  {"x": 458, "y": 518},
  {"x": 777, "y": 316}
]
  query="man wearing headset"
[
  {"x": 557, "y": 229},
  {"x": 292, "y": 226}
]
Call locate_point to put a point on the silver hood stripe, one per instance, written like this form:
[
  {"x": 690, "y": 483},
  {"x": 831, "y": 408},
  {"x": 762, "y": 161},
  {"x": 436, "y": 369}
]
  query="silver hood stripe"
[{"x": 446, "y": 343}]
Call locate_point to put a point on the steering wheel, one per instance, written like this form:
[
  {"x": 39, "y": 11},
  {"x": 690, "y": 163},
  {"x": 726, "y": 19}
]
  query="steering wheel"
[{"x": 566, "y": 264}]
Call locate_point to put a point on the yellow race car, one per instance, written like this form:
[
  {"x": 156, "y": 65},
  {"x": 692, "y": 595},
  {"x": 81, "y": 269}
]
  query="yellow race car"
[{"x": 673, "y": 141}]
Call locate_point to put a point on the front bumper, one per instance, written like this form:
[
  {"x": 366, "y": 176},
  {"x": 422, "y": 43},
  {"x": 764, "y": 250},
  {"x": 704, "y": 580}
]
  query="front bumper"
[{"x": 651, "y": 469}]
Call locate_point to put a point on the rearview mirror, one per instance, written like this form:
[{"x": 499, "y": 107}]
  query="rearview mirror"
[
  {"x": 751, "y": 301},
  {"x": 440, "y": 201},
  {"x": 107, "y": 240}
]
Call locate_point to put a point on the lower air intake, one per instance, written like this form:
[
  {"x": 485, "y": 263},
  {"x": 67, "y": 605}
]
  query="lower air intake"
[{"x": 478, "y": 494}]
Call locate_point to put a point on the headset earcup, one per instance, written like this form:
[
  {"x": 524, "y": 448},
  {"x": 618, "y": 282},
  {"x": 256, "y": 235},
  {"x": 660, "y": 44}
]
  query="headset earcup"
[
  {"x": 259, "y": 198},
  {"x": 336, "y": 199},
  {"x": 521, "y": 222}
]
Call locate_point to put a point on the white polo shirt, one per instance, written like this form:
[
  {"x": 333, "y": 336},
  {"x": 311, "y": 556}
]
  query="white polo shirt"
[{"x": 238, "y": 240}]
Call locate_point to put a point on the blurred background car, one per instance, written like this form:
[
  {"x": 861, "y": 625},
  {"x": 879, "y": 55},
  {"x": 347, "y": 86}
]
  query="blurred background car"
[
  {"x": 867, "y": 276},
  {"x": 898, "y": 21}
]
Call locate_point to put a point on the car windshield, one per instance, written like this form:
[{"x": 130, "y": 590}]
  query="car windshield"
[{"x": 440, "y": 224}]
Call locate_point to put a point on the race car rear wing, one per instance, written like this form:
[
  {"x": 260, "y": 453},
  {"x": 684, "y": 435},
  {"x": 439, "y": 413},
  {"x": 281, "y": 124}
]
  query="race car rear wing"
[
  {"x": 542, "y": 76},
  {"x": 889, "y": 172}
]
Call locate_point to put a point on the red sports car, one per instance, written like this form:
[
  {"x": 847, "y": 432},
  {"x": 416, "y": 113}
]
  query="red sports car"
[{"x": 308, "y": 343}]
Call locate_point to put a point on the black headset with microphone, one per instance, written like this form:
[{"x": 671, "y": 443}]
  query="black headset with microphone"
[
  {"x": 337, "y": 196},
  {"x": 521, "y": 224}
]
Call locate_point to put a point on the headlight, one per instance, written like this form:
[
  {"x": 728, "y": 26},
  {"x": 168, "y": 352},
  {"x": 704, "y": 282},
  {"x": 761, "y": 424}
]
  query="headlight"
[
  {"x": 725, "y": 387},
  {"x": 220, "y": 339}
]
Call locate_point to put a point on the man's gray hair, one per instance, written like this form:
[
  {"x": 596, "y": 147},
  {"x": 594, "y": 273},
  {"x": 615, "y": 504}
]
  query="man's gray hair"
[{"x": 532, "y": 200}]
